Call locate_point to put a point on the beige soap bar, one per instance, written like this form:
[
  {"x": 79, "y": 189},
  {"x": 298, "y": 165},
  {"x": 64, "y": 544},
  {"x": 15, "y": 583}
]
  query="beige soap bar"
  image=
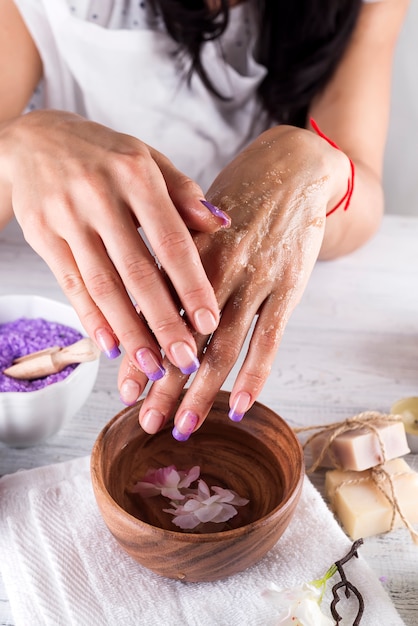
[
  {"x": 361, "y": 507},
  {"x": 360, "y": 449}
]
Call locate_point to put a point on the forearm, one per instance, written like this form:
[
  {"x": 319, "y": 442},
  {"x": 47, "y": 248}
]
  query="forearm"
[
  {"x": 6, "y": 208},
  {"x": 353, "y": 111}
]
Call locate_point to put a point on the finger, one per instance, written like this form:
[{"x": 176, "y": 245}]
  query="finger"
[
  {"x": 162, "y": 399},
  {"x": 103, "y": 305},
  {"x": 220, "y": 356},
  {"x": 174, "y": 247},
  {"x": 264, "y": 343},
  {"x": 145, "y": 282},
  {"x": 58, "y": 256},
  {"x": 222, "y": 353},
  {"x": 188, "y": 197},
  {"x": 131, "y": 382}
]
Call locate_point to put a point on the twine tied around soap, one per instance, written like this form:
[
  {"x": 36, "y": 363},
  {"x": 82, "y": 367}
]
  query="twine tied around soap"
[
  {"x": 367, "y": 419},
  {"x": 379, "y": 475}
]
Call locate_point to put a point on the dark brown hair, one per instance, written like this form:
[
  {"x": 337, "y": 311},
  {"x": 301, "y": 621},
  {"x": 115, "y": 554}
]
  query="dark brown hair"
[{"x": 300, "y": 44}]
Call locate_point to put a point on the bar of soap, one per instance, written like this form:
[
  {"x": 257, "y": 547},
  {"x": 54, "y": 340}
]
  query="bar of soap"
[
  {"x": 360, "y": 449},
  {"x": 361, "y": 507}
]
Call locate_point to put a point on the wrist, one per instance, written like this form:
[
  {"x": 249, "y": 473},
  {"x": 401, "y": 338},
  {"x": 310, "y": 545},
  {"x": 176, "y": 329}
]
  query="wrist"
[{"x": 344, "y": 199}]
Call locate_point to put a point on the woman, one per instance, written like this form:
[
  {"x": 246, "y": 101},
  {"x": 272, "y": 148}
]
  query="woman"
[{"x": 124, "y": 95}]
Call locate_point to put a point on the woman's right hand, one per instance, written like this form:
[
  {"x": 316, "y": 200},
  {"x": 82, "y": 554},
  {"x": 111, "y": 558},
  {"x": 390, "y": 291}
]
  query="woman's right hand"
[{"x": 80, "y": 191}]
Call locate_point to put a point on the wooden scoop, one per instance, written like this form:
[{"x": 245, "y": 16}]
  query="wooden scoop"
[{"x": 52, "y": 360}]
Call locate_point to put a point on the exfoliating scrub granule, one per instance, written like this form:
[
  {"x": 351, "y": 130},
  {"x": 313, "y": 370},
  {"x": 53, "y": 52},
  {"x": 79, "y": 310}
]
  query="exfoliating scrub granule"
[{"x": 24, "y": 336}]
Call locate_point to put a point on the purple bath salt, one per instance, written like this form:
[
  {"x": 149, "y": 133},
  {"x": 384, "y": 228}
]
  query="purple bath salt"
[{"x": 24, "y": 336}]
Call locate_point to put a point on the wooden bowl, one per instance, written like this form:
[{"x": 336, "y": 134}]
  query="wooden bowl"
[{"x": 260, "y": 458}]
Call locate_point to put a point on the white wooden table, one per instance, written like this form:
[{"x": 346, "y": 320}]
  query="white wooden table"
[{"x": 351, "y": 345}]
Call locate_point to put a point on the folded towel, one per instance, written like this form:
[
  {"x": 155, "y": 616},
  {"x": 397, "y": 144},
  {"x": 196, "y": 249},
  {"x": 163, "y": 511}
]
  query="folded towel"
[{"x": 62, "y": 567}]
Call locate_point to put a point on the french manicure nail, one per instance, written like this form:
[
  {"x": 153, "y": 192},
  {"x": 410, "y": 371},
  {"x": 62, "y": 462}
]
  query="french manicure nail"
[
  {"x": 226, "y": 220},
  {"x": 149, "y": 364},
  {"x": 205, "y": 321},
  {"x": 129, "y": 391},
  {"x": 107, "y": 343},
  {"x": 185, "y": 426},
  {"x": 152, "y": 421},
  {"x": 184, "y": 357},
  {"x": 241, "y": 403}
]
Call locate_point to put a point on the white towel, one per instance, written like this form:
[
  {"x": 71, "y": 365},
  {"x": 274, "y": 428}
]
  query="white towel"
[{"x": 62, "y": 567}]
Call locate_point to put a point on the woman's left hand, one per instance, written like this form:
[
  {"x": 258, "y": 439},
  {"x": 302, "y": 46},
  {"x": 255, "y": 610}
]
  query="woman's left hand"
[{"x": 277, "y": 192}]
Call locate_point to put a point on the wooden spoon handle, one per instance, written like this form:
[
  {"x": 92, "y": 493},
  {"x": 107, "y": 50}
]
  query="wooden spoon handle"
[
  {"x": 83, "y": 350},
  {"x": 33, "y": 355},
  {"x": 51, "y": 361}
]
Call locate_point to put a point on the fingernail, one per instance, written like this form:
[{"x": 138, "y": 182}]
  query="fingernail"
[
  {"x": 184, "y": 357},
  {"x": 241, "y": 403},
  {"x": 152, "y": 421},
  {"x": 205, "y": 321},
  {"x": 149, "y": 364},
  {"x": 226, "y": 220},
  {"x": 185, "y": 426},
  {"x": 129, "y": 391},
  {"x": 107, "y": 343}
]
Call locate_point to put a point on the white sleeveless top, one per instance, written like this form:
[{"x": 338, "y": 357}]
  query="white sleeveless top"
[{"x": 112, "y": 62}]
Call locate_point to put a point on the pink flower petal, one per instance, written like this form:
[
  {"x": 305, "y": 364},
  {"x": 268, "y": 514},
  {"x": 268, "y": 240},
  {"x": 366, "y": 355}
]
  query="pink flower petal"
[
  {"x": 225, "y": 514},
  {"x": 189, "y": 477},
  {"x": 166, "y": 481},
  {"x": 190, "y": 507},
  {"x": 203, "y": 490},
  {"x": 208, "y": 513},
  {"x": 228, "y": 495},
  {"x": 146, "y": 490},
  {"x": 185, "y": 522}
]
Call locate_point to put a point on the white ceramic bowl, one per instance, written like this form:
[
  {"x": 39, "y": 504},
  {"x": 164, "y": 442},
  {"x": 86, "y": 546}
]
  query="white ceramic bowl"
[{"x": 27, "y": 418}]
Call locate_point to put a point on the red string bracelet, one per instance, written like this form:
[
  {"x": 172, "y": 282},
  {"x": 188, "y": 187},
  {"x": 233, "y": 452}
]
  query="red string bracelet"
[{"x": 345, "y": 200}]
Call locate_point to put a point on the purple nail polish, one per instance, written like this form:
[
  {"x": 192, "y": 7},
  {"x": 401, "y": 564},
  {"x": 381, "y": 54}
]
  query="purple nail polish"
[
  {"x": 191, "y": 368},
  {"x": 107, "y": 343},
  {"x": 185, "y": 425},
  {"x": 226, "y": 220},
  {"x": 149, "y": 364},
  {"x": 235, "y": 417},
  {"x": 180, "y": 436},
  {"x": 156, "y": 375},
  {"x": 240, "y": 406},
  {"x": 184, "y": 357},
  {"x": 113, "y": 353}
]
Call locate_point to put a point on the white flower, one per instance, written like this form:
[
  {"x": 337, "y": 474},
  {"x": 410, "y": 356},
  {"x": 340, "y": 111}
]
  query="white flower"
[
  {"x": 202, "y": 507},
  {"x": 298, "y": 606},
  {"x": 166, "y": 481}
]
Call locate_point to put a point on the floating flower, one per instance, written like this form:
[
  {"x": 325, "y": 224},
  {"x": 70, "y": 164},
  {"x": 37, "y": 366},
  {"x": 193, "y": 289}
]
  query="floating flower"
[
  {"x": 191, "y": 506},
  {"x": 166, "y": 481},
  {"x": 202, "y": 507}
]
